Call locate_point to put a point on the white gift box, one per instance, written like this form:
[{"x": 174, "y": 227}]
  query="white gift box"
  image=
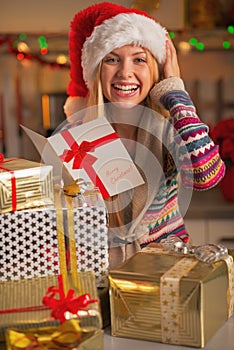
[
  {"x": 91, "y": 151},
  {"x": 29, "y": 243}
]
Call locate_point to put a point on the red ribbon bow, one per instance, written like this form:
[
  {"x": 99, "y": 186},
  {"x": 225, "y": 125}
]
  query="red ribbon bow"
[
  {"x": 69, "y": 303},
  {"x": 79, "y": 152}
]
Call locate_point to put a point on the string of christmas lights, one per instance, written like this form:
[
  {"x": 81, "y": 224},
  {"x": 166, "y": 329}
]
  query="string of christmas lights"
[
  {"x": 18, "y": 46},
  {"x": 203, "y": 40}
]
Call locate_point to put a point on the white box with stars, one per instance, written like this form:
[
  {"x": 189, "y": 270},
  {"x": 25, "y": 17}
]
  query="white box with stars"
[{"x": 29, "y": 244}]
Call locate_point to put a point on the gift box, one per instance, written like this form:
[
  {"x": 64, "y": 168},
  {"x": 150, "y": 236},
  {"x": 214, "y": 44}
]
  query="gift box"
[
  {"x": 43, "y": 304},
  {"x": 45, "y": 241},
  {"x": 24, "y": 184},
  {"x": 170, "y": 298}
]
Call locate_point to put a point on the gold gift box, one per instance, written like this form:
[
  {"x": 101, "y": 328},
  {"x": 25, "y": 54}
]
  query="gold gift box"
[
  {"x": 25, "y": 184},
  {"x": 145, "y": 305},
  {"x": 21, "y": 304}
]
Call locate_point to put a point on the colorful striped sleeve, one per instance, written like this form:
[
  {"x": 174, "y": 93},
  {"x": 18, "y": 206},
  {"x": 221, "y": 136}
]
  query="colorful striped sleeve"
[{"x": 200, "y": 163}]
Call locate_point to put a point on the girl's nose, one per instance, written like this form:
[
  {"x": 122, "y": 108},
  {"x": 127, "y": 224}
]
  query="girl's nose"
[{"x": 125, "y": 70}]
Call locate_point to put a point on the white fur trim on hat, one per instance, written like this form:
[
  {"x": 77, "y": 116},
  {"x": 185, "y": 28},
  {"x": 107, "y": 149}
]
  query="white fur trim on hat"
[{"x": 120, "y": 30}]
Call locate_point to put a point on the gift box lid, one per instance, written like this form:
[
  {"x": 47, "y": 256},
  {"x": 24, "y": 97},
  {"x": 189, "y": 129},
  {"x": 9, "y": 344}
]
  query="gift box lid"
[
  {"x": 150, "y": 267},
  {"x": 22, "y": 165}
]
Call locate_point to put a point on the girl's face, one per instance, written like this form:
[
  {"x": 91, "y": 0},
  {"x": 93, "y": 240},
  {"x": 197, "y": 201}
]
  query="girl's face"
[{"x": 126, "y": 75}]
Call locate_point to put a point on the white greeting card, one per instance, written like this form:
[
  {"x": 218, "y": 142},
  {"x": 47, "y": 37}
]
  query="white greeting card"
[{"x": 91, "y": 151}]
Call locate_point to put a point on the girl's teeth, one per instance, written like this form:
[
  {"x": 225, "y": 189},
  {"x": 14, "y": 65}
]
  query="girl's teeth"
[{"x": 126, "y": 87}]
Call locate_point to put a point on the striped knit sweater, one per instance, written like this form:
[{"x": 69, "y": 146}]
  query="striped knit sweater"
[{"x": 200, "y": 166}]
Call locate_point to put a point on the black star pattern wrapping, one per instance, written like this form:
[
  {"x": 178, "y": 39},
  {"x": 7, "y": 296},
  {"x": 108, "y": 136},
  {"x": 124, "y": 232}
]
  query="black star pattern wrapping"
[{"x": 28, "y": 244}]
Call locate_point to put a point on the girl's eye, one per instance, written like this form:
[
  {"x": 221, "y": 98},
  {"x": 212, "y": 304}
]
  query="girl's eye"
[
  {"x": 110, "y": 60},
  {"x": 140, "y": 59}
]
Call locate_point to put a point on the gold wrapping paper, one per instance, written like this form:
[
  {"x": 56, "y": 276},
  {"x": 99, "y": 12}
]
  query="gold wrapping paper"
[
  {"x": 169, "y": 298},
  {"x": 20, "y": 294},
  {"x": 61, "y": 239},
  {"x": 25, "y": 184},
  {"x": 23, "y": 300}
]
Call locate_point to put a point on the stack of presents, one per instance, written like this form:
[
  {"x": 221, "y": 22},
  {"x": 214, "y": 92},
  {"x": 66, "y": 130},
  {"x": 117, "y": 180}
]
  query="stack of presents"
[{"x": 56, "y": 289}]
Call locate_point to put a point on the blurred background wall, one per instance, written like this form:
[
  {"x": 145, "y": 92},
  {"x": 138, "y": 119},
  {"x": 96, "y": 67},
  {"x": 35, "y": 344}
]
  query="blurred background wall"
[{"x": 30, "y": 78}]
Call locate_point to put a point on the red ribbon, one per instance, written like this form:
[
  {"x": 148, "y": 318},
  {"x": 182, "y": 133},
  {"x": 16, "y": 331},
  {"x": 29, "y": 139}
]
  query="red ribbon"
[
  {"x": 24, "y": 309},
  {"x": 69, "y": 303},
  {"x": 13, "y": 183},
  {"x": 83, "y": 159}
]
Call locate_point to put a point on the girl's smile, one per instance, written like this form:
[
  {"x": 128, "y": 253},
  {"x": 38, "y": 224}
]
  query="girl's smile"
[{"x": 125, "y": 89}]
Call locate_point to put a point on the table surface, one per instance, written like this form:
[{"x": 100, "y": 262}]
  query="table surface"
[{"x": 223, "y": 339}]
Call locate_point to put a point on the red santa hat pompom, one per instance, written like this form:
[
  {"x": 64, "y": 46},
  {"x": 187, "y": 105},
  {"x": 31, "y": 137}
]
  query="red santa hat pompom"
[{"x": 101, "y": 28}]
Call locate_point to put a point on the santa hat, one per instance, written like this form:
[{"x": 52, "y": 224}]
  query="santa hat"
[{"x": 101, "y": 28}]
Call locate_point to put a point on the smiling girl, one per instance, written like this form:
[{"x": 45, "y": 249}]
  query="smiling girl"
[{"x": 124, "y": 61}]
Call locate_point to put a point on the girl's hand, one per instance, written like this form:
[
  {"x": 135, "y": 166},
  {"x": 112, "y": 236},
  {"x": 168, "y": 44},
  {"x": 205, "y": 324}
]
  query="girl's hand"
[{"x": 171, "y": 66}]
